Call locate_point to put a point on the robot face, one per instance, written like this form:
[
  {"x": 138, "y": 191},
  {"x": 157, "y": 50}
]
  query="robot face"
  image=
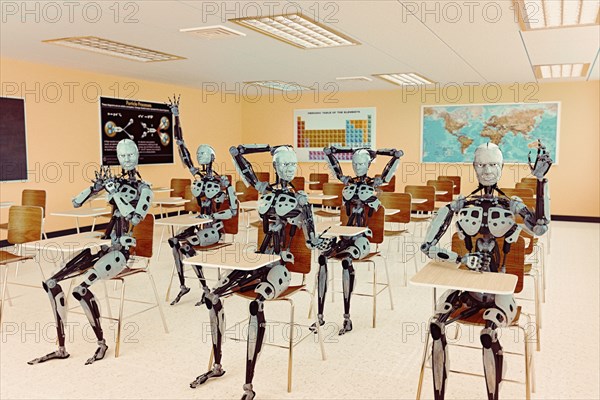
[
  {"x": 360, "y": 162},
  {"x": 205, "y": 154},
  {"x": 285, "y": 163},
  {"x": 488, "y": 164},
  {"x": 127, "y": 153}
]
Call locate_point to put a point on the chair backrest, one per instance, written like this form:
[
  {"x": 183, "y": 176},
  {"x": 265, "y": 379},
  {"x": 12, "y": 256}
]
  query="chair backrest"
[
  {"x": 231, "y": 225},
  {"x": 302, "y": 254},
  {"x": 444, "y": 186},
  {"x": 455, "y": 179},
  {"x": 398, "y": 201},
  {"x": 375, "y": 222},
  {"x": 298, "y": 183},
  {"x": 247, "y": 193},
  {"x": 333, "y": 189},
  {"x": 422, "y": 192},
  {"x": 515, "y": 259},
  {"x": 321, "y": 178},
  {"x": 192, "y": 205},
  {"x": 178, "y": 185},
  {"x": 263, "y": 176},
  {"x": 391, "y": 186},
  {"x": 144, "y": 237},
  {"x": 36, "y": 198},
  {"x": 526, "y": 185},
  {"x": 24, "y": 224},
  {"x": 510, "y": 192}
]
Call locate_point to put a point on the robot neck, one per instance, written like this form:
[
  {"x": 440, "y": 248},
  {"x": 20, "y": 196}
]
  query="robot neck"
[{"x": 207, "y": 169}]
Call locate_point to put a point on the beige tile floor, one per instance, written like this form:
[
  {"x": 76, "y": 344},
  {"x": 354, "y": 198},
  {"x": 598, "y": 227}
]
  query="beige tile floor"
[{"x": 367, "y": 363}]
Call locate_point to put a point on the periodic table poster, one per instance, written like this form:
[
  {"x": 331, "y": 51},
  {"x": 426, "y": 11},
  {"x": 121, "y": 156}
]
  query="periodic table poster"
[{"x": 315, "y": 129}]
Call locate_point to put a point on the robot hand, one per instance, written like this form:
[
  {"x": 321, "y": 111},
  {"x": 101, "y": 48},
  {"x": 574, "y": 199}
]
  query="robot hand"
[
  {"x": 174, "y": 105},
  {"x": 345, "y": 179},
  {"x": 110, "y": 186},
  {"x": 136, "y": 219},
  {"x": 320, "y": 243},
  {"x": 542, "y": 162},
  {"x": 76, "y": 204},
  {"x": 261, "y": 187},
  {"x": 203, "y": 216},
  {"x": 473, "y": 261},
  {"x": 377, "y": 181}
]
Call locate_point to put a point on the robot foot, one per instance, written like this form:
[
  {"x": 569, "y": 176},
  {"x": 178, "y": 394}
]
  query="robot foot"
[
  {"x": 346, "y": 326},
  {"x": 249, "y": 394},
  {"x": 99, "y": 354},
  {"x": 184, "y": 290},
  {"x": 202, "y": 300},
  {"x": 59, "y": 354},
  {"x": 215, "y": 372},
  {"x": 313, "y": 327}
]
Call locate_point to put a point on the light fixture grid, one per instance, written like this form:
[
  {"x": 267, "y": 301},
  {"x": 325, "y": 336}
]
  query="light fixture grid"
[
  {"x": 561, "y": 71},
  {"x": 312, "y": 32},
  {"x": 405, "y": 79},
  {"x": 550, "y": 14},
  {"x": 115, "y": 49}
]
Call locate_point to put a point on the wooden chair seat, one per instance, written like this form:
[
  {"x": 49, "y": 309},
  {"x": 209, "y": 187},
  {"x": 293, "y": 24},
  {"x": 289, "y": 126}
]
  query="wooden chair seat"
[
  {"x": 395, "y": 233},
  {"x": 251, "y": 295},
  {"x": 371, "y": 255},
  {"x": 477, "y": 319},
  {"x": 327, "y": 214},
  {"x": 214, "y": 246},
  {"x": 6, "y": 257},
  {"x": 128, "y": 272}
]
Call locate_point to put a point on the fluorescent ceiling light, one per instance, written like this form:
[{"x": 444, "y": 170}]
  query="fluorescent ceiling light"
[
  {"x": 544, "y": 14},
  {"x": 115, "y": 49},
  {"x": 561, "y": 71},
  {"x": 212, "y": 32},
  {"x": 354, "y": 78},
  {"x": 279, "y": 85},
  {"x": 297, "y": 30},
  {"x": 405, "y": 79}
]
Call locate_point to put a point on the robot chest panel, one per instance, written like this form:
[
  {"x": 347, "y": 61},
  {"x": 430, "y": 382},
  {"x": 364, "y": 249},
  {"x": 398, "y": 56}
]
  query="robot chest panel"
[
  {"x": 499, "y": 221},
  {"x": 470, "y": 219},
  {"x": 208, "y": 188},
  {"x": 366, "y": 192},
  {"x": 128, "y": 193},
  {"x": 283, "y": 204},
  {"x": 349, "y": 191}
]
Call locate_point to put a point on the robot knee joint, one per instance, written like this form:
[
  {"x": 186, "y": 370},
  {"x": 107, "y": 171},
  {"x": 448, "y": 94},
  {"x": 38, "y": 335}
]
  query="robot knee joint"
[
  {"x": 49, "y": 284},
  {"x": 488, "y": 337},
  {"x": 254, "y": 307},
  {"x": 174, "y": 243},
  {"x": 437, "y": 330},
  {"x": 346, "y": 263},
  {"x": 79, "y": 292},
  {"x": 322, "y": 260}
]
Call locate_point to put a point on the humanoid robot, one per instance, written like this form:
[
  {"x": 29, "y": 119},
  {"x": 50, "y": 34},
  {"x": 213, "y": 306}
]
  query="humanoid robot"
[
  {"x": 283, "y": 211},
  {"x": 360, "y": 200},
  {"x": 211, "y": 192},
  {"x": 490, "y": 217},
  {"x": 130, "y": 198}
]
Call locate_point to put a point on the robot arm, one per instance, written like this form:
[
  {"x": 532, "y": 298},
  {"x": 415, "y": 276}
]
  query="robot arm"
[
  {"x": 97, "y": 186},
  {"x": 334, "y": 163},
  {"x": 233, "y": 202},
  {"x": 143, "y": 205},
  {"x": 391, "y": 166},
  {"x": 184, "y": 153},
  {"x": 243, "y": 166}
]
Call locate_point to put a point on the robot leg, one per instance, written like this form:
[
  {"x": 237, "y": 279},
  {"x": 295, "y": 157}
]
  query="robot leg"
[
  {"x": 217, "y": 328},
  {"x": 176, "y": 248},
  {"x": 348, "y": 286},
  {"x": 493, "y": 361},
  {"x": 321, "y": 291},
  {"x": 256, "y": 334}
]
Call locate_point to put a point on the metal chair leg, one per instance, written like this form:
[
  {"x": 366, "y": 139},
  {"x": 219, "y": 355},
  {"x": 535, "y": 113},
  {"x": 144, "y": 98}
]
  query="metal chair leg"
[
  {"x": 160, "y": 309},
  {"x": 120, "y": 320},
  {"x": 423, "y": 361}
]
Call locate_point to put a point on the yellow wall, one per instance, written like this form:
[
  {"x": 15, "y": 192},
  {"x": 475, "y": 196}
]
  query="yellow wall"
[
  {"x": 63, "y": 142},
  {"x": 574, "y": 182}
]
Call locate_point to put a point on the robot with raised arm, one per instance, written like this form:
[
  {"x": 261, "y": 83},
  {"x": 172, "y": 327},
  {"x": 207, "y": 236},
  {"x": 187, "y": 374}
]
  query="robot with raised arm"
[
  {"x": 130, "y": 198},
  {"x": 360, "y": 200},
  {"x": 283, "y": 211},
  {"x": 216, "y": 198},
  {"x": 488, "y": 214}
]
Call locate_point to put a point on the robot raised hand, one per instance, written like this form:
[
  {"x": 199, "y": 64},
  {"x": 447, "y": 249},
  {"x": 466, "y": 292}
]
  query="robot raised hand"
[{"x": 543, "y": 162}]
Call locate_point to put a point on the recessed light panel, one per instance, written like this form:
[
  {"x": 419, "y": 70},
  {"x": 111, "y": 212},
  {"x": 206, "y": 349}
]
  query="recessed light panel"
[
  {"x": 544, "y": 14},
  {"x": 279, "y": 85},
  {"x": 561, "y": 71},
  {"x": 405, "y": 79}
]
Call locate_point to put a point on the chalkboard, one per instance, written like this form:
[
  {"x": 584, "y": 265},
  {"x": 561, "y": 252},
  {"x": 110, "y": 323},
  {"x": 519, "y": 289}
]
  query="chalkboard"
[
  {"x": 148, "y": 124},
  {"x": 13, "y": 147}
]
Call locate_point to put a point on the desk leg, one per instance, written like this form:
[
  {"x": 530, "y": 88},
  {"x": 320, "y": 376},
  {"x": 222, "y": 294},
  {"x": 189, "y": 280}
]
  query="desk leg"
[
  {"x": 77, "y": 223},
  {"x": 93, "y": 224},
  {"x": 162, "y": 235}
]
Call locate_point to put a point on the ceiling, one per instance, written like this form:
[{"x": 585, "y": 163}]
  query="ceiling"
[{"x": 447, "y": 42}]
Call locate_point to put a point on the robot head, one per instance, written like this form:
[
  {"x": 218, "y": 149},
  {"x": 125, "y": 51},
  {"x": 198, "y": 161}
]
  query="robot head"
[
  {"x": 361, "y": 160},
  {"x": 488, "y": 164},
  {"x": 128, "y": 154},
  {"x": 205, "y": 154},
  {"x": 285, "y": 163}
]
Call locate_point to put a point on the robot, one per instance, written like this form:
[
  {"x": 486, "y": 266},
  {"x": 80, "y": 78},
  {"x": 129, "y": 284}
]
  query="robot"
[
  {"x": 283, "y": 211},
  {"x": 491, "y": 216},
  {"x": 360, "y": 200},
  {"x": 211, "y": 192},
  {"x": 130, "y": 198}
]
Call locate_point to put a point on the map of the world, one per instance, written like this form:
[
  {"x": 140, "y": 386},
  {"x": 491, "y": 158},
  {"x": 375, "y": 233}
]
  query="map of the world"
[{"x": 452, "y": 133}]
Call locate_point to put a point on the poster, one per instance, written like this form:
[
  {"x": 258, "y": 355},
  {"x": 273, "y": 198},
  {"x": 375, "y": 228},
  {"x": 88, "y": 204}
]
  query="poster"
[
  {"x": 149, "y": 125},
  {"x": 343, "y": 127}
]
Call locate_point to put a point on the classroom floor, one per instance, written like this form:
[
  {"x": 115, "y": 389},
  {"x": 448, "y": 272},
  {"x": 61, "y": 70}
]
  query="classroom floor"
[{"x": 367, "y": 363}]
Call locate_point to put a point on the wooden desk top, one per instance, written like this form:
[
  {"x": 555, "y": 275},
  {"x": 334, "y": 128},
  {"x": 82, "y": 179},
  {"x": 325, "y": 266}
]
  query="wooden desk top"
[
  {"x": 82, "y": 212},
  {"x": 174, "y": 201},
  {"x": 6, "y": 204},
  {"x": 238, "y": 257},
  {"x": 391, "y": 211},
  {"x": 448, "y": 276},
  {"x": 249, "y": 205},
  {"x": 418, "y": 201},
  {"x": 183, "y": 220},
  {"x": 345, "y": 231}
]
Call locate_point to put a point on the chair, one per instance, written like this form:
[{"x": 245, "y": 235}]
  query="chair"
[
  {"x": 247, "y": 193},
  {"x": 298, "y": 183},
  {"x": 454, "y": 179},
  {"x": 301, "y": 266},
  {"x": 332, "y": 206},
  {"x": 529, "y": 182},
  {"x": 390, "y": 186},
  {"x": 263, "y": 176},
  {"x": 376, "y": 223},
  {"x": 192, "y": 205},
  {"x": 178, "y": 185},
  {"x": 442, "y": 186},
  {"x": 24, "y": 225},
  {"x": 402, "y": 202},
  {"x": 423, "y": 203},
  {"x": 35, "y": 198},
  {"x": 320, "y": 179},
  {"x": 522, "y": 193},
  {"x": 514, "y": 265},
  {"x": 527, "y": 185}
]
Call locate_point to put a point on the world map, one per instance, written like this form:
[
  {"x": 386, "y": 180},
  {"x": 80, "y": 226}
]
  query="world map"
[{"x": 452, "y": 133}]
